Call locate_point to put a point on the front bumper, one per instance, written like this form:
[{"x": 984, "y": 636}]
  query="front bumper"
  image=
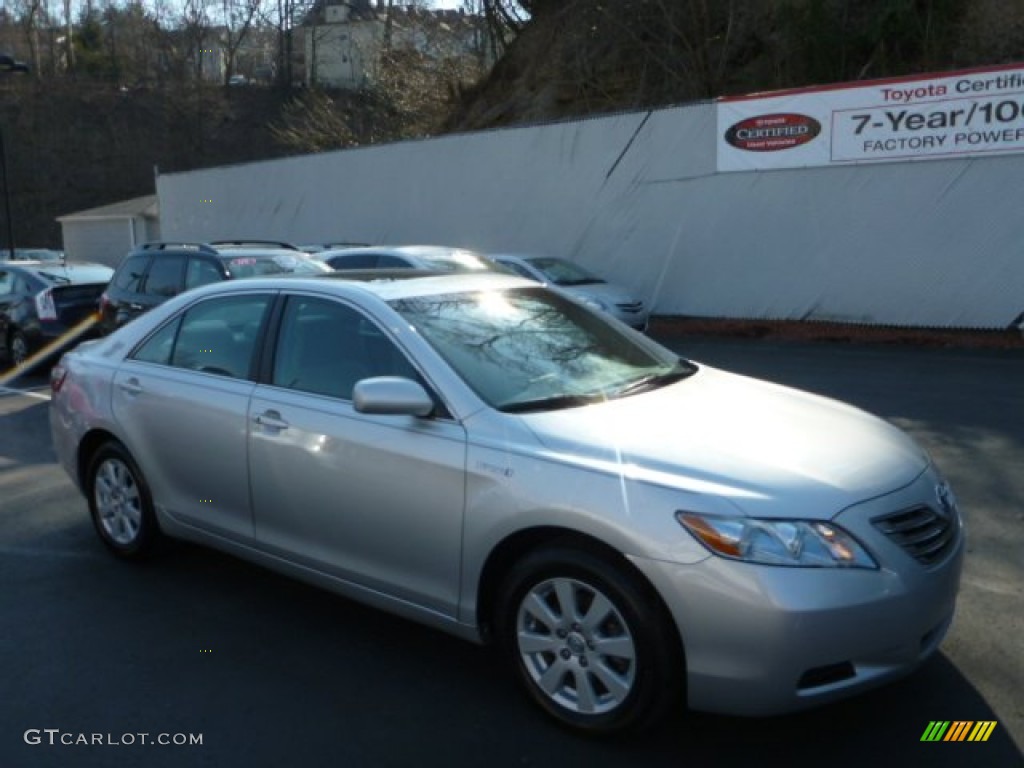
[{"x": 764, "y": 640}]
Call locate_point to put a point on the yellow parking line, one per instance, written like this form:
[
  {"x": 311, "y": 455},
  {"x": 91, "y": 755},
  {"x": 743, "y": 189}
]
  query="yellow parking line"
[{"x": 61, "y": 341}]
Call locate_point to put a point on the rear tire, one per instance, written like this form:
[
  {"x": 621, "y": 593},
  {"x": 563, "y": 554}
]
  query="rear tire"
[
  {"x": 18, "y": 350},
  {"x": 590, "y": 641},
  {"x": 120, "y": 503}
]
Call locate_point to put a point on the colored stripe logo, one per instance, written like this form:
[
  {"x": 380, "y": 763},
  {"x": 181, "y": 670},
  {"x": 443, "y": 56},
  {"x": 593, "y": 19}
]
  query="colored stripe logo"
[{"x": 958, "y": 730}]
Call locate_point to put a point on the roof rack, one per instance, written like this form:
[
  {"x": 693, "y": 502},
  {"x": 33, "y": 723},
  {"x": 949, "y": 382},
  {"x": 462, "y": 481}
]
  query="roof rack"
[
  {"x": 164, "y": 246},
  {"x": 244, "y": 243}
]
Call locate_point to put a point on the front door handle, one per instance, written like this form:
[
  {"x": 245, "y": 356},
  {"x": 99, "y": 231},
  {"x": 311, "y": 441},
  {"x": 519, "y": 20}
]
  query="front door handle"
[
  {"x": 271, "y": 419},
  {"x": 130, "y": 386}
]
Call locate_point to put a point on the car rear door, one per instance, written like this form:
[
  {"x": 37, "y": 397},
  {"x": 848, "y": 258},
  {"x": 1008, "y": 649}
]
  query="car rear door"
[
  {"x": 371, "y": 499},
  {"x": 181, "y": 401}
]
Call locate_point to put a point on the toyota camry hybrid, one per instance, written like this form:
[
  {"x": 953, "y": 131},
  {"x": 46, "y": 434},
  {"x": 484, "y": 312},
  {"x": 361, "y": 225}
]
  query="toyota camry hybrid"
[{"x": 636, "y": 532}]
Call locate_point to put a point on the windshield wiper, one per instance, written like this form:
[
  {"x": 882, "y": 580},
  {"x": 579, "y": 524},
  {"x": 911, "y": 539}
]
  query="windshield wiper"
[
  {"x": 550, "y": 403},
  {"x": 656, "y": 380}
]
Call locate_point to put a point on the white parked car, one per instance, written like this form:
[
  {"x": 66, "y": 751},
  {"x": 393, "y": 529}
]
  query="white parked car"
[{"x": 573, "y": 279}]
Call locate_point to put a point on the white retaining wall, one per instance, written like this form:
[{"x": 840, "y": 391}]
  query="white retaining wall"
[{"x": 636, "y": 197}]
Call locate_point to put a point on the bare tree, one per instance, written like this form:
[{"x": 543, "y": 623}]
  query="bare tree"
[
  {"x": 196, "y": 29},
  {"x": 31, "y": 15},
  {"x": 238, "y": 17}
]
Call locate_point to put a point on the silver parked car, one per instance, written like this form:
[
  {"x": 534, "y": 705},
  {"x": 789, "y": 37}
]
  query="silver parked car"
[
  {"x": 481, "y": 454},
  {"x": 570, "y": 278},
  {"x": 432, "y": 258}
]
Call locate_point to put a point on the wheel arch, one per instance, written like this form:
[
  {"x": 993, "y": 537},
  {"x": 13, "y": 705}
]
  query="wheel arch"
[
  {"x": 519, "y": 544},
  {"x": 87, "y": 447}
]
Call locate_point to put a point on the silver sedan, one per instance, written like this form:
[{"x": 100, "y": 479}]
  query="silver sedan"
[{"x": 637, "y": 532}]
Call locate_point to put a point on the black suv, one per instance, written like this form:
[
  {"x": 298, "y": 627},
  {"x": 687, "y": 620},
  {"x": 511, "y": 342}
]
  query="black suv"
[{"x": 155, "y": 272}]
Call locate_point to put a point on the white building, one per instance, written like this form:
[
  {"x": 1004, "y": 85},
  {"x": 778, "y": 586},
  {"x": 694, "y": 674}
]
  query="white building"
[
  {"x": 343, "y": 40},
  {"x": 104, "y": 235}
]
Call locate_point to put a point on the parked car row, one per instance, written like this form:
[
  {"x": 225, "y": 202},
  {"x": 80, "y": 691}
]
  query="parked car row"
[{"x": 154, "y": 272}]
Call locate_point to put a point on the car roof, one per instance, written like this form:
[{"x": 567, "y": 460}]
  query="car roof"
[
  {"x": 246, "y": 252},
  {"x": 68, "y": 269},
  {"x": 420, "y": 251},
  {"x": 383, "y": 284}
]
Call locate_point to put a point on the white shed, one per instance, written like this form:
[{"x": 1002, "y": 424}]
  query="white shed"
[{"x": 107, "y": 233}]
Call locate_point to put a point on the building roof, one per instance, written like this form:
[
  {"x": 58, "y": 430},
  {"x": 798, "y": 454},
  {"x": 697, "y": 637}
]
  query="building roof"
[{"x": 146, "y": 206}]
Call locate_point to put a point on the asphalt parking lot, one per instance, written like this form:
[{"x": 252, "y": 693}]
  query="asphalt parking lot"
[{"x": 270, "y": 672}]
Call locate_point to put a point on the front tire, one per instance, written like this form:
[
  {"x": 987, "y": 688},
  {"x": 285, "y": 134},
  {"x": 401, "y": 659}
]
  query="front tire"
[
  {"x": 590, "y": 641},
  {"x": 120, "y": 503}
]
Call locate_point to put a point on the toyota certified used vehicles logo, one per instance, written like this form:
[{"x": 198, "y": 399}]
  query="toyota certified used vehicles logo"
[{"x": 770, "y": 133}]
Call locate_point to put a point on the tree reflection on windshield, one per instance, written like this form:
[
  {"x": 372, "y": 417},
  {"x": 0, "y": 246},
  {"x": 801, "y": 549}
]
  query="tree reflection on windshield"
[{"x": 530, "y": 349}]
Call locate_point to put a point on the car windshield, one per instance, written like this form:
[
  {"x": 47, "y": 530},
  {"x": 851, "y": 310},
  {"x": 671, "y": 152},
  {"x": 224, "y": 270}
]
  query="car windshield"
[
  {"x": 37, "y": 254},
  {"x": 76, "y": 273},
  {"x": 562, "y": 272},
  {"x": 528, "y": 349}
]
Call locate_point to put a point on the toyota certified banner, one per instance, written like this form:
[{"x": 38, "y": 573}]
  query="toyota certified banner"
[{"x": 971, "y": 112}]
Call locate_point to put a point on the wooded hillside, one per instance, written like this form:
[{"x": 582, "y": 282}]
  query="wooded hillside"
[{"x": 91, "y": 132}]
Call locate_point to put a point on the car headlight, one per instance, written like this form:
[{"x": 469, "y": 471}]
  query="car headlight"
[{"x": 801, "y": 543}]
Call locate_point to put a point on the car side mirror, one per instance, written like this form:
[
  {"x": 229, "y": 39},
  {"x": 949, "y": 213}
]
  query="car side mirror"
[{"x": 391, "y": 395}]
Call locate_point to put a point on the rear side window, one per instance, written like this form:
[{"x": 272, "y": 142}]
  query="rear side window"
[
  {"x": 165, "y": 275},
  {"x": 129, "y": 276},
  {"x": 356, "y": 261},
  {"x": 201, "y": 271},
  {"x": 219, "y": 336}
]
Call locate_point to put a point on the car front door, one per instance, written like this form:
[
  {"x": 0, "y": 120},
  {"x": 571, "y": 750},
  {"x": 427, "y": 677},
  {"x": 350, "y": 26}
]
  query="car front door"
[
  {"x": 181, "y": 401},
  {"x": 375, "y": 500}
]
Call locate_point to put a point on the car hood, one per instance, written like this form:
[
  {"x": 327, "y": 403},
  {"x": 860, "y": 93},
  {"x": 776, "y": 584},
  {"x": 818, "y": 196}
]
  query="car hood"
[{"x": 769, "y": 450}]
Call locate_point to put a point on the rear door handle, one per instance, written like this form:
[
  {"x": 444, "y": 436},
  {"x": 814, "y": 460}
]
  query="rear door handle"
[
  {"x": 271, "y": 419},
  {"x": 131, "y": 386}
]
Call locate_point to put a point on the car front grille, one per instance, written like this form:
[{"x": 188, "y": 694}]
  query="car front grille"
[{"x": 921, "y": 532}]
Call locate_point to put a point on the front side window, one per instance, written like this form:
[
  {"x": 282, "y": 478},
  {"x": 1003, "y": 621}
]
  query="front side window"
[
  {"x": 6, "y": 283},
  {"x": 165, "y": 276},
  {"x": 325, "y": 347},
  {"x": 218, "y": 336},
  {"x": 530, "y": 349}
]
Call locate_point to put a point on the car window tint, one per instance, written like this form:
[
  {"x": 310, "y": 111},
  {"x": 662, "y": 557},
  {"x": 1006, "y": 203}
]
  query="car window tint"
[
  {"x": 355, "y": 261},
  {"x": 384, "y": 261},
  {"x": 6, "y": 283},
  {"x": 325, "y": 347},
  {"x": 219, "y": 335},
  {"x": 164, "y": 278},
  {"x": 129, "y": 276},
  {"x": 200, "y": 272},
  {"x": 158, "y": 347}
]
